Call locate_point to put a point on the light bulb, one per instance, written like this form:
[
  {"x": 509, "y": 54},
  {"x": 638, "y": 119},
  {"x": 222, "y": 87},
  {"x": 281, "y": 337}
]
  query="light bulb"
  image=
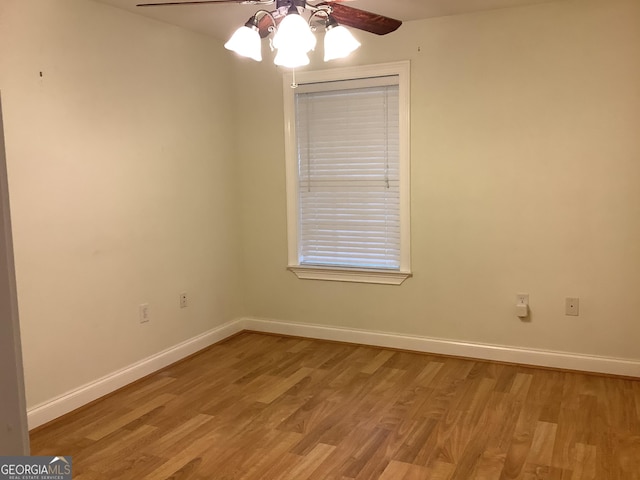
[
  {"x": 246, "y": 42},
  {"x": 338, "y": 42},
  {"x": 291, "y": 58},
  {"x": 294, "y": 32}
]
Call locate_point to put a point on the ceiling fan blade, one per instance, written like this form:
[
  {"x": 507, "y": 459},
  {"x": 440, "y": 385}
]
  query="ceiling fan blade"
[
  {"x": 205, "y": 2},
  {"x": 361, "y": 19}
]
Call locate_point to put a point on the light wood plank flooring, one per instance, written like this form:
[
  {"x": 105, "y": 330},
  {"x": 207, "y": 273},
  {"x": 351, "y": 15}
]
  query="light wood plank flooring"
[{"x": 267, "y": 407}]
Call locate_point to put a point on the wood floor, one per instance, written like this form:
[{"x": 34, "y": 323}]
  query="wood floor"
[{"x": 267, "y": 407}]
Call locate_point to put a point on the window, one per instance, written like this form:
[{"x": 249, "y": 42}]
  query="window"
[{"x": 348, "y": 173}]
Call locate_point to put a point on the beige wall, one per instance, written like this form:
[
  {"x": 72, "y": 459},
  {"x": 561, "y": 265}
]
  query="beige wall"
[
  {"x": 525, "y": 171},
  {"x": 122, "y": 180},
  {"x": 128, "y": 185}
]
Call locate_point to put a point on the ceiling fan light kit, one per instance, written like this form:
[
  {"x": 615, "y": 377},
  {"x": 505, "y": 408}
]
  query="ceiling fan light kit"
[{"x": 293, "y": 36}]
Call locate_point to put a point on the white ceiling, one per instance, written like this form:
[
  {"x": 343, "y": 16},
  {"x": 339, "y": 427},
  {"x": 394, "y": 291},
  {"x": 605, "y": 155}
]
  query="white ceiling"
[{"x": 220, "y": 21}]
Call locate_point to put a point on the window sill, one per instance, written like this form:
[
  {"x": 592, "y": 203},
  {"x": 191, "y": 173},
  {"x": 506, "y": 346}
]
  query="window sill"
[{"x": 358, "y": 275}]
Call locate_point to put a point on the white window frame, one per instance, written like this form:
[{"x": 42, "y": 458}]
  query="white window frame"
[{"x": 347, "y": 274}]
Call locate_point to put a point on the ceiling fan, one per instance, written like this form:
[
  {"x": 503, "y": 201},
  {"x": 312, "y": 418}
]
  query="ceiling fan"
[{"x": 293, "y": 37}]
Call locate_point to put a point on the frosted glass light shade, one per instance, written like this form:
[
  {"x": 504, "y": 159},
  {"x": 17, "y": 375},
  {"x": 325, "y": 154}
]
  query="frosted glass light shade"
[
  {"x": 294, "y": 32},
  {"x": 246, "y": 42},
  {"x": 338, "y": 43},
  {"x": 291, "y": 58}
]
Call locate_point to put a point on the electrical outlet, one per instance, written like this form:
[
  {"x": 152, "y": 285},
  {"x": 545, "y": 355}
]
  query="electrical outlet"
[
  {"x": 184, "y": 300},
  {"x": 572, "y": 306},
  {"x": 522, "y": 305},
  {"x": 143, "y": 312}
]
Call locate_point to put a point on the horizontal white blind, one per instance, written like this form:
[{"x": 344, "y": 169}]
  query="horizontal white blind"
[{"x": 348, "y": 171}]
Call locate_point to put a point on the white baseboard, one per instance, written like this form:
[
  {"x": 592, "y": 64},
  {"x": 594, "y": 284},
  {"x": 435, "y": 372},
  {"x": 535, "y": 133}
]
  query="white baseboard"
[
  {"x": 543, "y": 358},
  {"x": 50, "y": 410}
]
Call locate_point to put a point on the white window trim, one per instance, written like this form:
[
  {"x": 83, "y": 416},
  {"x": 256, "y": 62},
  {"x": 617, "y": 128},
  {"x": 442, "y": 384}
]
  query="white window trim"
[{"x": 391, "y": 277}]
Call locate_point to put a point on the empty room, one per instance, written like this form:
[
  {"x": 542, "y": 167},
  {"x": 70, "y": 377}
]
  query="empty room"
[{"x": 289, "y": 239}]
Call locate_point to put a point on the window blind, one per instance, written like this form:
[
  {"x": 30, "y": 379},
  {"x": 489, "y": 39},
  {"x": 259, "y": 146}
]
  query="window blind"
[{"x": 348, "y": 176}]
